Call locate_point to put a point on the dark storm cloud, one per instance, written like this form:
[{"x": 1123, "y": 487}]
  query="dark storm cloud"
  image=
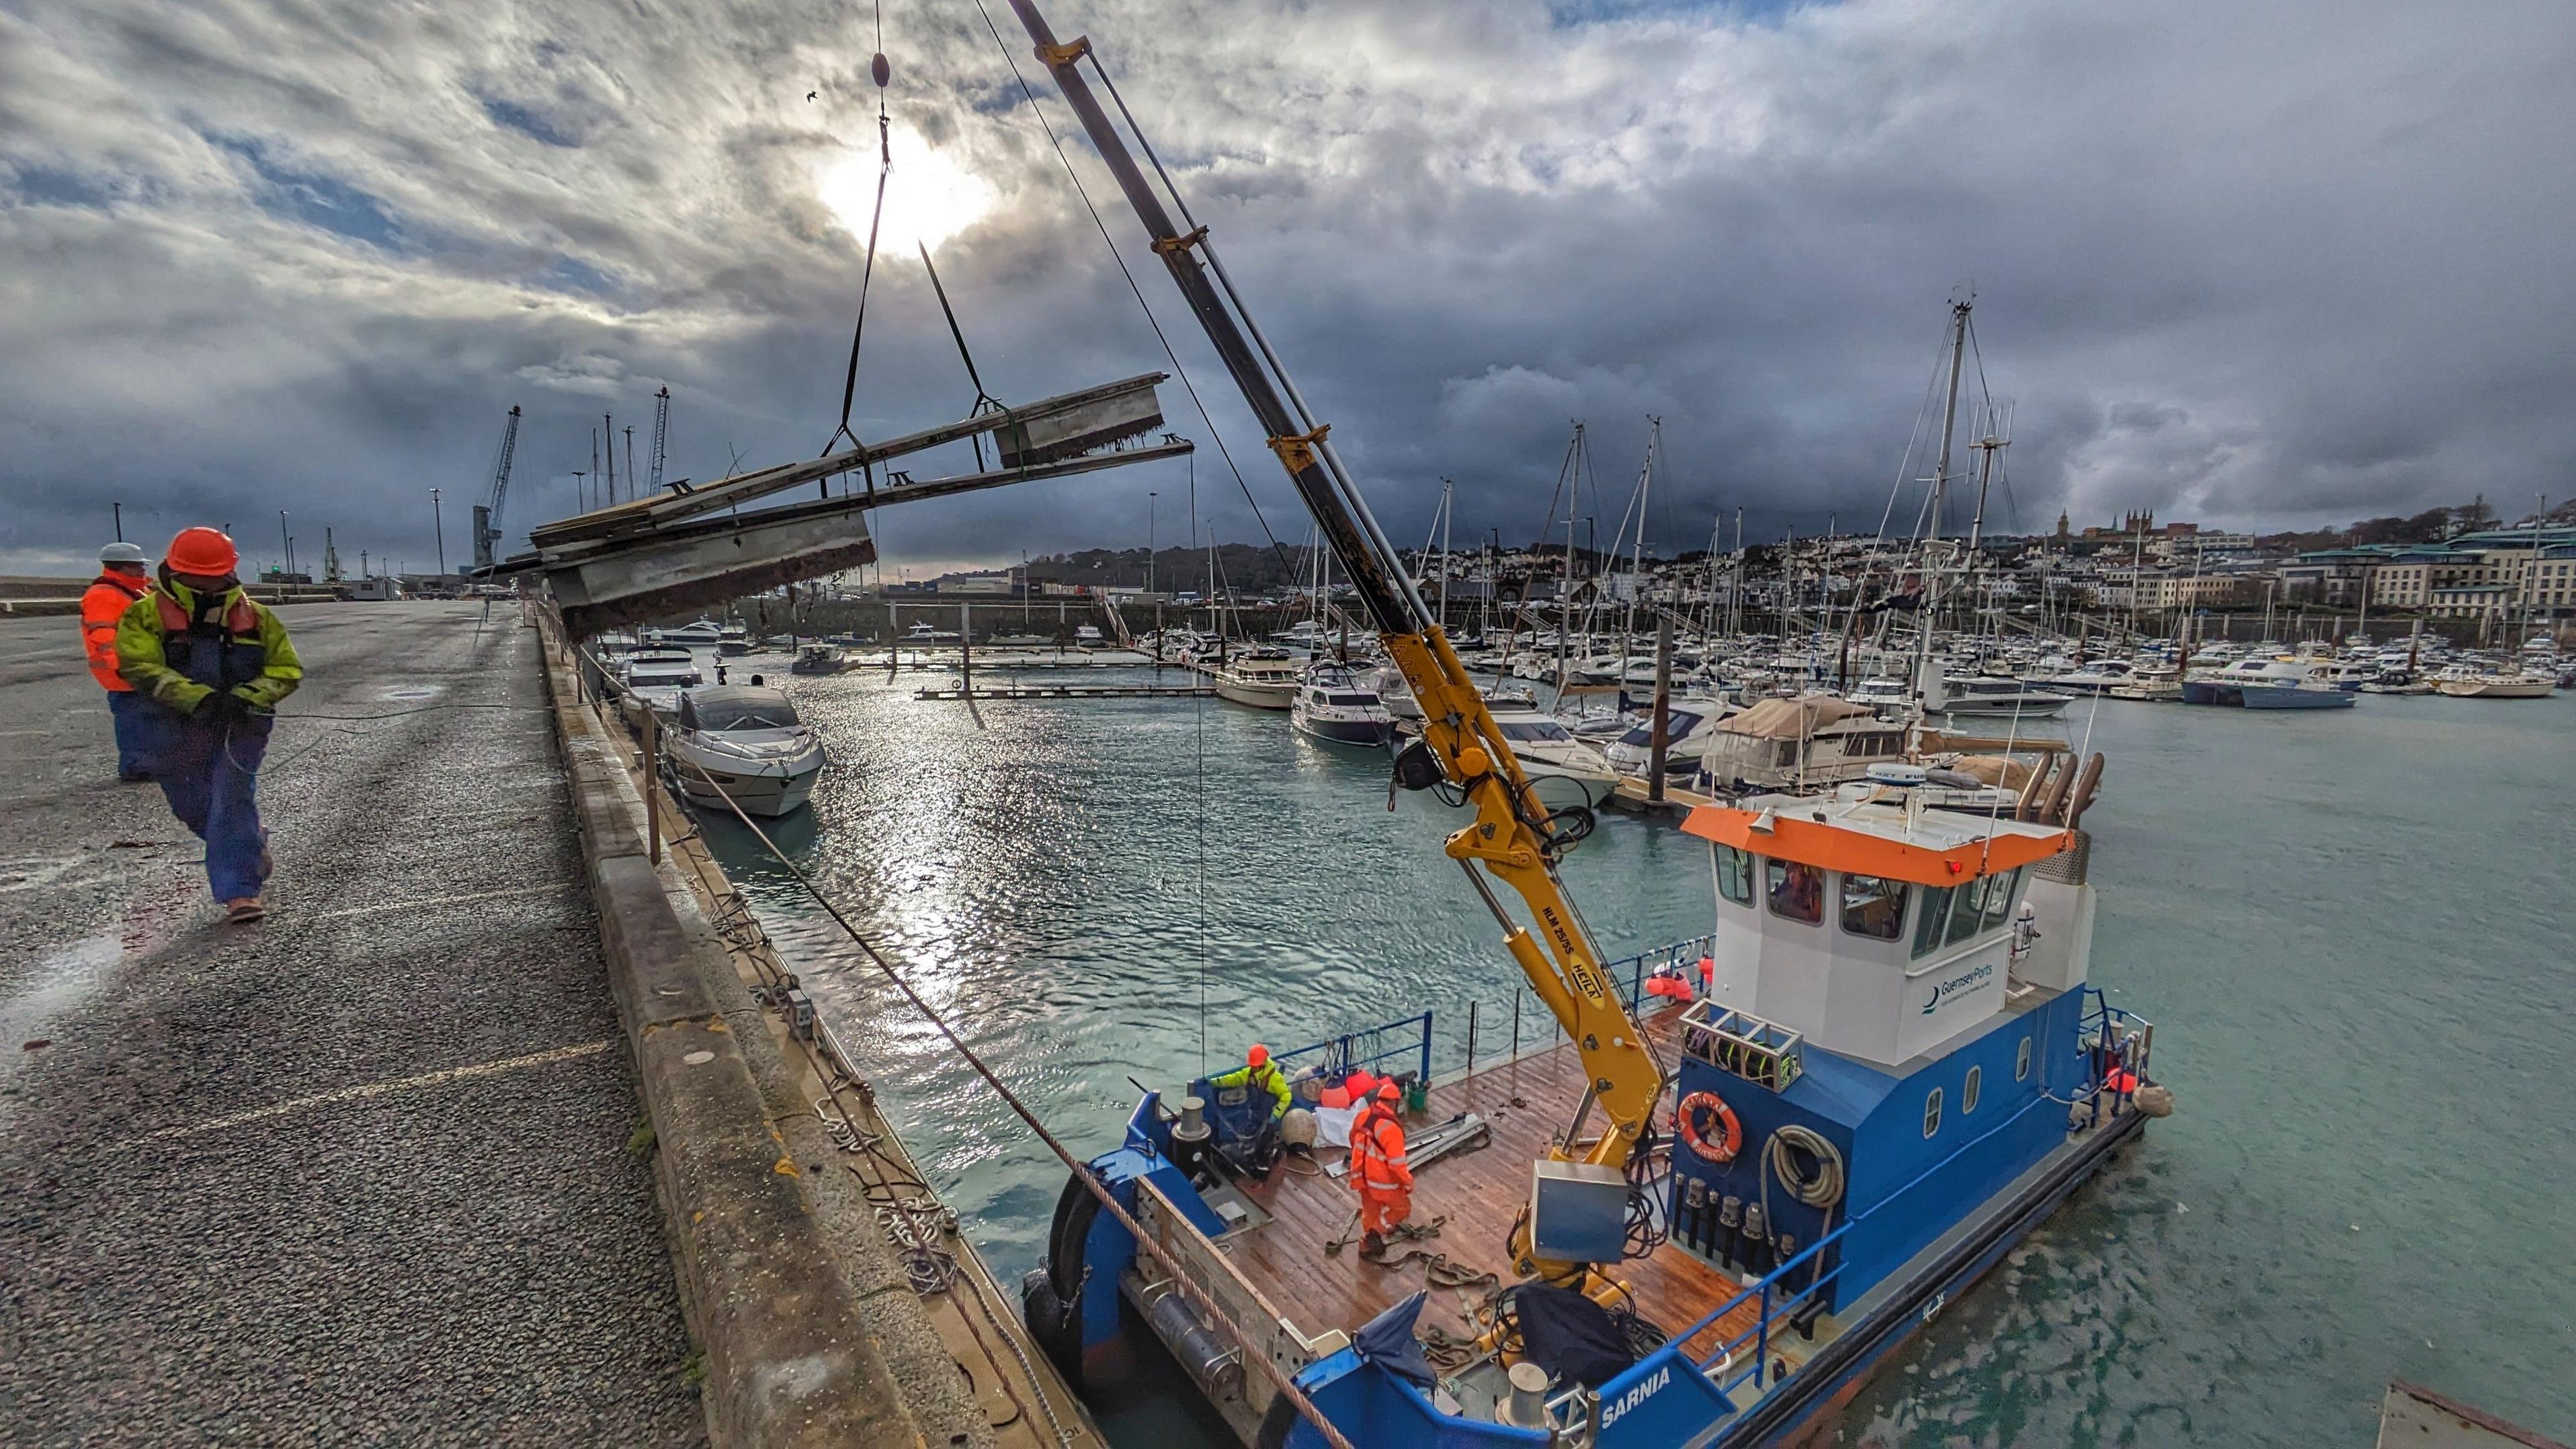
[{"x": 2262, "y": 264}]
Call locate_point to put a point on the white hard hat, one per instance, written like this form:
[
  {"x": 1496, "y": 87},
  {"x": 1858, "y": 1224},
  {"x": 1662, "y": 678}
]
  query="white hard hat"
[{"x": 127, "y": 553}]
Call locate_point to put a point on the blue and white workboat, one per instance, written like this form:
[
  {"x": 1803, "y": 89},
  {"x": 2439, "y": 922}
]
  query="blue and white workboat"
[{"x": 1882, "y": 1069}]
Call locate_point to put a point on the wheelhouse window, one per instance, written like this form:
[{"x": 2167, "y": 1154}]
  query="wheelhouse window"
[
  {"x": 1536, "y": 730},
  {"x": 1999, "y": 897},
  {"x": 1970, "y": 1090},
  {"x": 2021, "y": 1062},
  {"x": 1873, "y": 907},
  {"x": 1797, "y": 892},
  {"x": 1932, "y": 1112},
  {"x": 1936, "y": 916},
  {"x": 739, "y": 712},
  {"x": 1735, "y": 875}
]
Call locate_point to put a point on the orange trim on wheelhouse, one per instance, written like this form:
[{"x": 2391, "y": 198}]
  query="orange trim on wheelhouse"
[{"x": 1862, "y": 852}]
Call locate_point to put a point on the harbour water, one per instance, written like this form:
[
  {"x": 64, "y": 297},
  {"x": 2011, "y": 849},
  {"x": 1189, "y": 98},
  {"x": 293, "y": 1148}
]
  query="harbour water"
[{"x": 2350, "y": 929}]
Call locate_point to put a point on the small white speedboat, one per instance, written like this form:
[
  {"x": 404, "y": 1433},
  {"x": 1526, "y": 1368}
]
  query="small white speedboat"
[
  {"x": 744, "y": 743},
  {"x": 1333, "y": 704}
]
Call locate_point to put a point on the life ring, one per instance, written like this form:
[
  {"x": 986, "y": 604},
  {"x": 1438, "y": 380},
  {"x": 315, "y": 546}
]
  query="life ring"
[{"x": 1687, "y": 1122}]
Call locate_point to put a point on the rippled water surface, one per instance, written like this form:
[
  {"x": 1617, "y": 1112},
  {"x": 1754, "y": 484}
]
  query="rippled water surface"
[{"x": 2350, "y": 930}]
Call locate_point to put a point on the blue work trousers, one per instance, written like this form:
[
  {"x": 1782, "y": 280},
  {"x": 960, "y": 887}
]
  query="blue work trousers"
[
  {"x": 210, "y": 775},
  {"x": 131, "y": 710}
]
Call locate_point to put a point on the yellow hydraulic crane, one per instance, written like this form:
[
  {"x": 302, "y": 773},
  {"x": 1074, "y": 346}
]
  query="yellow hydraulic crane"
[{"x": 1514, "y": 839}]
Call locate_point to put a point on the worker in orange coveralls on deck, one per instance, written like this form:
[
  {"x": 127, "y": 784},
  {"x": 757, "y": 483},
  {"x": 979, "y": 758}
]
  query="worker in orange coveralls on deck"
[
  {"x": 1379, "y": 1171},
  {"x": 121, "y": 580}
]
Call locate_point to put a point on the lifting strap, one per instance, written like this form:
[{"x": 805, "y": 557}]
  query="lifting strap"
[{"x": 859, "y": 332}]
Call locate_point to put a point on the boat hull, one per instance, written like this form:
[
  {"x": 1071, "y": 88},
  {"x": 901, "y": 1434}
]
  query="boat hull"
[
  {"x": 765, "y": 793},
  {"x": 1969, "y": 709},
  {"x": 1372, "y": 734},
  {"x": 1256, "y": 696},
  {"x": 1804, "y": 1402},
  {"x": 2296, "y": 699},
  {"x": 2210, "y": 691},
  {"x": 2495, "y": 688}
]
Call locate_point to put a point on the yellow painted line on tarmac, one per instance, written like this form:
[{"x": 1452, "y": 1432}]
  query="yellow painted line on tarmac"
[
  {"x": 413, "y": 905},
  {"x": 381, "y": 1089}
]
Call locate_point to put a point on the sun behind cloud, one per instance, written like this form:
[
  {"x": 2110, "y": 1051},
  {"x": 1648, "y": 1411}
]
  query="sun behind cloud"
[{"x": 930, "y": 197}]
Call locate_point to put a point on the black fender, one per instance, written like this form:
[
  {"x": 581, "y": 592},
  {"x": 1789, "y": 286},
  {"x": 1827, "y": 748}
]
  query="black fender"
[{"x": 1051, "y": 1295}]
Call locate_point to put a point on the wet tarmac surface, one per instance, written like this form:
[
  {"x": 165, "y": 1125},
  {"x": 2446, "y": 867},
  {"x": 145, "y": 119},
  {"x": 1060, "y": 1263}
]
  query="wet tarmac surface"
[{"x": 359, "y": 1172}]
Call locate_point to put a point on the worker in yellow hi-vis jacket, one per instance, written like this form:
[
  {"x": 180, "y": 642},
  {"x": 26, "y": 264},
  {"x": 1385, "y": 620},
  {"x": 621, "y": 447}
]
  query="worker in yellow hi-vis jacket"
[{"x": 215, "y": 664}]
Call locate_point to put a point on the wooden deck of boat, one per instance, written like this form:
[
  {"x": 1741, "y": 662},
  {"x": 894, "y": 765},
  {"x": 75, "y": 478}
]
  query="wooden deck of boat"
[{"x": 1526, "y": 1102}]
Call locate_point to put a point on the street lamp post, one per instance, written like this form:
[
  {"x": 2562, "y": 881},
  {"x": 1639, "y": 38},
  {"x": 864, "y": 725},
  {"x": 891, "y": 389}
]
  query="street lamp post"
[
  {"x": 285, "y": 545},
  {"x": 438, "y": 522}
]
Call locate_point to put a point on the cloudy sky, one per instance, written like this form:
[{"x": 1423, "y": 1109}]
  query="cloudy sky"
[{"x": 2254, "y": 264}]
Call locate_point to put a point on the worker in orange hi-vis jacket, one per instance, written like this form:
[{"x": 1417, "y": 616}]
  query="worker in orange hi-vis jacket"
[
  {"x": 121, "y": 580},
  {"x": 1378, "y": 1170}
]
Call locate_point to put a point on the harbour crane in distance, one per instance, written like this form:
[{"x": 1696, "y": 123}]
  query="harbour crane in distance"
[
  {"x": 1514, "y": 838},
  {"x": 661, "y": 433},
  {"x": 487, "y": 514}
]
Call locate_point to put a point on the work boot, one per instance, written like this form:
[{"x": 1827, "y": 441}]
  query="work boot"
[
  {"x": 244, "y": 911},
  {"x": 1372, "y": 1244}
]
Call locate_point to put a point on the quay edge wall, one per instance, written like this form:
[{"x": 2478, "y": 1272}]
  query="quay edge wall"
[{"x": 806, "y": 1330}]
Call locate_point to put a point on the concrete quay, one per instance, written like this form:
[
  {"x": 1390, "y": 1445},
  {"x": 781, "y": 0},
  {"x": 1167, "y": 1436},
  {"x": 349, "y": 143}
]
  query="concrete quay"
[{"x": 477, "y": 1138}]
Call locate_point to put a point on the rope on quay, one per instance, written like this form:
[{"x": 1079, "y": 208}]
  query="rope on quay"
[{"x": 1253, "y": 1353}]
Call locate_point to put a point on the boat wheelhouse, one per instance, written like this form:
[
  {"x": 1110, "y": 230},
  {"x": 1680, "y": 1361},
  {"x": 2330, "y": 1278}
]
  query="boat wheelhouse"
[{"x": 1884, "y": 1067}]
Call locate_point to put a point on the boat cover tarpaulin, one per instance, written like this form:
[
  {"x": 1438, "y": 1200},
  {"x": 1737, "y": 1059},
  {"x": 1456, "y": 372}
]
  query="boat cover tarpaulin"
[
  {"x": 1570, "y": 1336},
  {"x": 1790, "y": 719},
  {"x": 1993, "y": 770},
  {"x": 1387, "y": 1341}
]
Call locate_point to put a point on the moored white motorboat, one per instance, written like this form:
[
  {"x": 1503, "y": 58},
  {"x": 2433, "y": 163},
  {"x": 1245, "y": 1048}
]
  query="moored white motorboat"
[
  {"x": 818, "y": 659},
  {"x": 699, "y": 631},
  {"x": 1259, "y": 678},
  {"x": 1992, "y": 696},
  {"x": 2466, "y": 683},
  {"x": 656, "y": 676},
  {"x": 743, "y": 743},
  {"x": 1567, "y": 772},
  {"x": 1333, "y": 704}
]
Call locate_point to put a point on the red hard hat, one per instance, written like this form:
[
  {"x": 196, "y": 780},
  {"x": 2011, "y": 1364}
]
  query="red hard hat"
[
  {"x": 206, "y": 551},
  {"x": 1388, "y": 1093},
  {"x": 1257, "y": 1056}
]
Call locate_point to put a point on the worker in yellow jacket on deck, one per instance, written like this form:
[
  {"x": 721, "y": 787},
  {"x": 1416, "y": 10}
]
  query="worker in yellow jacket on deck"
[
  {"x": 1261, "y": 1079},
  {"x": 214, "y": 665}
]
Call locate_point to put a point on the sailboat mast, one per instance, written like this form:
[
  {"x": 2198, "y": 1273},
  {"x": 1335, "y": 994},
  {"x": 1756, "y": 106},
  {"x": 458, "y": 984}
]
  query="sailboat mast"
[
  {"x": 1565, "y": 598},
  {"x": 1928, "y": 613},
  {"x": 1445, "y": 489}
]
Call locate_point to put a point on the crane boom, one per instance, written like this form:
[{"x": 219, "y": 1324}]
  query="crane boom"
[
  {"x": 661, "y": 434},
  {"x": 1514, "y": 838},
  {"x": 487, "y": 514}
]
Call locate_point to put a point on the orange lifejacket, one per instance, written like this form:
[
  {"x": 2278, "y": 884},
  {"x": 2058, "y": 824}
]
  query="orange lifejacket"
[
  {"x": 1377, "y": 1153},
  {"x": 102, "y": 604}
]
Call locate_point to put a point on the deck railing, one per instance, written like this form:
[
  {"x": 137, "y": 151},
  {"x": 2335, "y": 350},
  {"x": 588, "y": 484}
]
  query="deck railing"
[
  {"x": 1482, "y": 1034},
  {"x": 1373, "y": 1047}
]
